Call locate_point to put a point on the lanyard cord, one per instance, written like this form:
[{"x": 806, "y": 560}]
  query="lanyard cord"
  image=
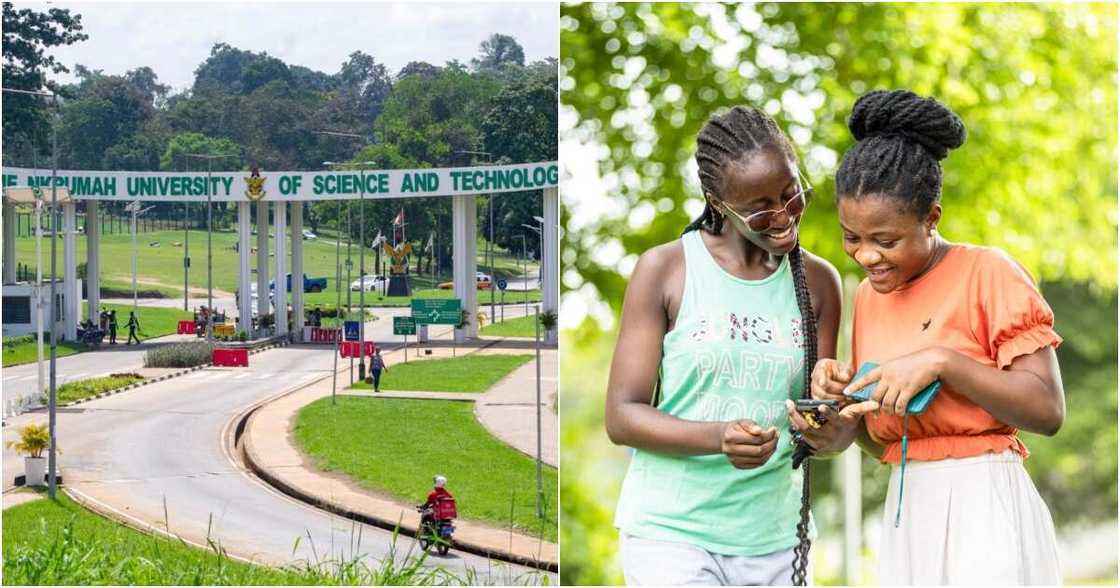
[{"x": 902, "y": 473}]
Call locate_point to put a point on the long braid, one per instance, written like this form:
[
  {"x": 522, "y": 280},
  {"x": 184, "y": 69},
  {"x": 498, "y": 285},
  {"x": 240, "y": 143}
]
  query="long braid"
[
  {"x": 727, "y": 138},
  {"x": 809, "y": 341}
]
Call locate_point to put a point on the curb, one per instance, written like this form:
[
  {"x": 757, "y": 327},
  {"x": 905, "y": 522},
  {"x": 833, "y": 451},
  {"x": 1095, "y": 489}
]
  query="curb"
[
  {"x": 177, "y": 374},
  {"x": 400, "y": 527},
  {"x": 243, "y": 421}
]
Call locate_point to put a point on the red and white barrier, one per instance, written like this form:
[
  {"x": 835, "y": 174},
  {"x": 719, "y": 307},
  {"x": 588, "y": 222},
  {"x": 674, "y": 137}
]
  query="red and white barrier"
[{"x": 320, "y": 335}]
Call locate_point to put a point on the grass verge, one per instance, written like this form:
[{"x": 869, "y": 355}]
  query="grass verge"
[
  {"x": 82, "y": 389},
  {"x": 59, "y": 543},
  {"x": 397, "y": 445},
  {"x": 20, "y": 350},
  {"x": 518, "y": 327},
  {"x": 470, "y": 373}
]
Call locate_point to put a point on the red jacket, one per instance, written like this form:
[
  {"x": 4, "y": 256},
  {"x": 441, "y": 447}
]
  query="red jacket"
[{"x": 436, "y": 494}]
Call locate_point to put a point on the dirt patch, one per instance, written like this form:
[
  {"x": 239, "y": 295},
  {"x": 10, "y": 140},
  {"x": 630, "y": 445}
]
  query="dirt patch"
[{"x": 194, "y": 291}]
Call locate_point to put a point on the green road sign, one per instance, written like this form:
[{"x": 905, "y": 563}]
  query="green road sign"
[
  {"x": 404, "y": 325},
  {"x": 439, "y": 311}
]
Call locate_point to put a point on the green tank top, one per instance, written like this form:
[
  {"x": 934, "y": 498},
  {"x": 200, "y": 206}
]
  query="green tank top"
[{"x": 735, "y": 352}]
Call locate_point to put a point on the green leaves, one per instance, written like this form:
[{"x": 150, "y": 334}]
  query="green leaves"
[{"x": 1034, "y": 84}]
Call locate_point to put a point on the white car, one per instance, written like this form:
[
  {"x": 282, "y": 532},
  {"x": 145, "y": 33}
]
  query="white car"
[
  {"x": 309, "y": 235},
  {"x": 371, "y": 283}
]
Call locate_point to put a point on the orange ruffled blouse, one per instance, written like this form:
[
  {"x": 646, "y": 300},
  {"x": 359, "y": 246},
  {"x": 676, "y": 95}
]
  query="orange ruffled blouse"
[{"x": 976, "y": 301}]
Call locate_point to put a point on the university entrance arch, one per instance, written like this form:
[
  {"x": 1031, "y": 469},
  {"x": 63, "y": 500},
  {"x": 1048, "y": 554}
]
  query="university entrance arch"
[{"x": 263, "y": 189}]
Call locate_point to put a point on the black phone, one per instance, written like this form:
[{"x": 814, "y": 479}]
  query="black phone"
[
  {"x": 809, "y": 410},
  {"x": 808, "y": 404}
]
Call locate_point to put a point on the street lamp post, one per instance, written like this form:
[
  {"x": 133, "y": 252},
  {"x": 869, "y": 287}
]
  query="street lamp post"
[
  {"x": 52, "y": 401},
  {"x": 362, "y": 246},
  {"x": 186, "y": 249},
  {"x": 540, "y": 232},
  {"x": 210, "y": 241},
  {"x": 525, "y": 270},
  {"x": 134, "y": 208}
]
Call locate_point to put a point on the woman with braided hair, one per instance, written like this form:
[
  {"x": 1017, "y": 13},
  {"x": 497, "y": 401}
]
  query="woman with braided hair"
[
  {"x": 961, "y": 508},
  {"x": 717, "y": 330}
]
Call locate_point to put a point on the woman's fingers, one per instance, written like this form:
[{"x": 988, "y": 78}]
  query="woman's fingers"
[{"x": 869, "y": 378}]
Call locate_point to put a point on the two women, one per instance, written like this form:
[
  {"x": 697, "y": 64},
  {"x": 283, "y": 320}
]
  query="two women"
[{"x": 708, "y": 323}]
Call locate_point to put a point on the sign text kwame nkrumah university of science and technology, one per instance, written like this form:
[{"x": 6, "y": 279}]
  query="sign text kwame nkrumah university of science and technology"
[{"x": 267, "y": 185}]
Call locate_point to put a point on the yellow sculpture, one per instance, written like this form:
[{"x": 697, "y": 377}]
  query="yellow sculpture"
[{"x": 398, "y": 255}]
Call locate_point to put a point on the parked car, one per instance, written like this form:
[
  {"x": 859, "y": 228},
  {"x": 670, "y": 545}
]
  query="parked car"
[
  {"x": 481, "y": 279},
  {"x": 370, "y": 282},
  {"x": 309, "y": 235},
  {"x": 309, "y": 284}
]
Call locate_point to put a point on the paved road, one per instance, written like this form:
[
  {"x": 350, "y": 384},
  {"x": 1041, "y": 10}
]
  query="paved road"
[
  {"x": 159, "y": 449},
  {"x": 21, "y": 381}
]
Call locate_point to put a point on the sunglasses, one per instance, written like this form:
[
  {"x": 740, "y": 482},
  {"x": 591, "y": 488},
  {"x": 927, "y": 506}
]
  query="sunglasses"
[{"x": 763, "y": 220}]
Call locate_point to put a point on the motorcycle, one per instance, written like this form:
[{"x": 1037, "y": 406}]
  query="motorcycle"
[
  {"x": 89, "y": 334},
  {"x": 433, "y": 530}
]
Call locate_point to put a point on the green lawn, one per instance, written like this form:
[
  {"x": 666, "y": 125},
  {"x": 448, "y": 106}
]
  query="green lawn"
[
  {"x": 60, "y": 543},
  {"x": 470, "y": 373},
  {"x": 518, "y": 327},
  {"x": 154, "y": 321},
  {"x": 397, "y": 445},
  {"x": 82, "y": 389},
  {"x": 160, "y": 267},
  {"x": 18, "y": 350}
]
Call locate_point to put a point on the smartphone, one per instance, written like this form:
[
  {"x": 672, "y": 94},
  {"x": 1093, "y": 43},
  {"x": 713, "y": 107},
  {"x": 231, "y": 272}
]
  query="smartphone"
[
  {"x": 917, "y": 405},
  {"x": 809, "y": 410},
  {"x": 808, "y": 404}
]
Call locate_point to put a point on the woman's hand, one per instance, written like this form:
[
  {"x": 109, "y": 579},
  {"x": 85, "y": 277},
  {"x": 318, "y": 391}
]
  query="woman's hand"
[
  {"x": 839, "y": 428},
  {"x": 902, "y": 378},
  {"x": 747, "y": 445},
  {"x": 829, "y": 379}
]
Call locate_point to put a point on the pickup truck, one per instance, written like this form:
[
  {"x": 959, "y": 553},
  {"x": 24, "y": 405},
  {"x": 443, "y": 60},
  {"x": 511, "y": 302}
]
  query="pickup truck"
[{"x": 309, "y": 284}]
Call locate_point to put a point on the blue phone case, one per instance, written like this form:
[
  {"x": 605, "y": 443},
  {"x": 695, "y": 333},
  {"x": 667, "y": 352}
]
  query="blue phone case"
[{"x": 918, "y": 404}]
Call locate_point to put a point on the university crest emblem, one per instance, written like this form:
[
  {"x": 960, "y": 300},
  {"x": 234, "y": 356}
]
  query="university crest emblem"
[{"x": 255, "y": 183}]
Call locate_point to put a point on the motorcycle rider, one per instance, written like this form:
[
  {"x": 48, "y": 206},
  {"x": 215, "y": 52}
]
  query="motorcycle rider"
[{"x": 439, "y": 492}]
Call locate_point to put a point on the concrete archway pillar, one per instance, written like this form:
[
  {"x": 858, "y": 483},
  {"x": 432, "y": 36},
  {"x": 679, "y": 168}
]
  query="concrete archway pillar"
[
  {"x": 71, "y": 294},
  {"x": 93, "y": 260},
  {"x": 550, "y": 258},
  {"x": 9, "y": 243},
  {"x": 280, "y": 223},
  {"x": 297, "y": 270},
  {"x": 464, "y": 254},
  {"x": 245, "y": 276},
  {"x": 262, "y": 259}
]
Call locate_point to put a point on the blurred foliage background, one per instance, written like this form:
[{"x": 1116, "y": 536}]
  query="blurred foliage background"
[{"x": 1036, "y": 87}]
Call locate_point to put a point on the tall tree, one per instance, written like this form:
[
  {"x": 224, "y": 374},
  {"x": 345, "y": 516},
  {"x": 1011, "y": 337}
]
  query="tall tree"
[
  {"x": 497, "y": 51},
  {"x": 27, "y": 35}
]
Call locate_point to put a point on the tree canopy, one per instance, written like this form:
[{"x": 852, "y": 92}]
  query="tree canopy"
[
  {"x": 1035, "y": 85},
  {"x": 266, "y": 112}
]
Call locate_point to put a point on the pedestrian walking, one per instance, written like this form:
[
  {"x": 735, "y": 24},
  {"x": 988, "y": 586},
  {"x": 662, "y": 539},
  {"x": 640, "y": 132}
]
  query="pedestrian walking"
[
  {"x": 112, "y": 327},
  {"x": 376, "y": 364},
  {"x": 132, "y": 325}
]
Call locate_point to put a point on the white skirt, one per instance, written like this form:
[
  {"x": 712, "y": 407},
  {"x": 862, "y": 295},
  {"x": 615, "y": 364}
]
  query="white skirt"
[{"x": 977, "y": 520}]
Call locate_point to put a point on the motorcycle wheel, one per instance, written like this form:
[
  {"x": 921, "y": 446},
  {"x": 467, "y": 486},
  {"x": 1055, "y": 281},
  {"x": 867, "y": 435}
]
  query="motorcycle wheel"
[{"x": 442, "y": 548}]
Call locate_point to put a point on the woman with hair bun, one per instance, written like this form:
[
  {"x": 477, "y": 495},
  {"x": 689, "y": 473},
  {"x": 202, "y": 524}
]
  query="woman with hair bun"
[
  {"x": 719, "y": 329},
  {"x": 961, "y": 508}
]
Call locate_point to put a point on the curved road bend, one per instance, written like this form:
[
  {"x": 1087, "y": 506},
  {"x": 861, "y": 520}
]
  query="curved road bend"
[
  {"x": 162, "y": 447},
  {"x": 20, "y": 381}
]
